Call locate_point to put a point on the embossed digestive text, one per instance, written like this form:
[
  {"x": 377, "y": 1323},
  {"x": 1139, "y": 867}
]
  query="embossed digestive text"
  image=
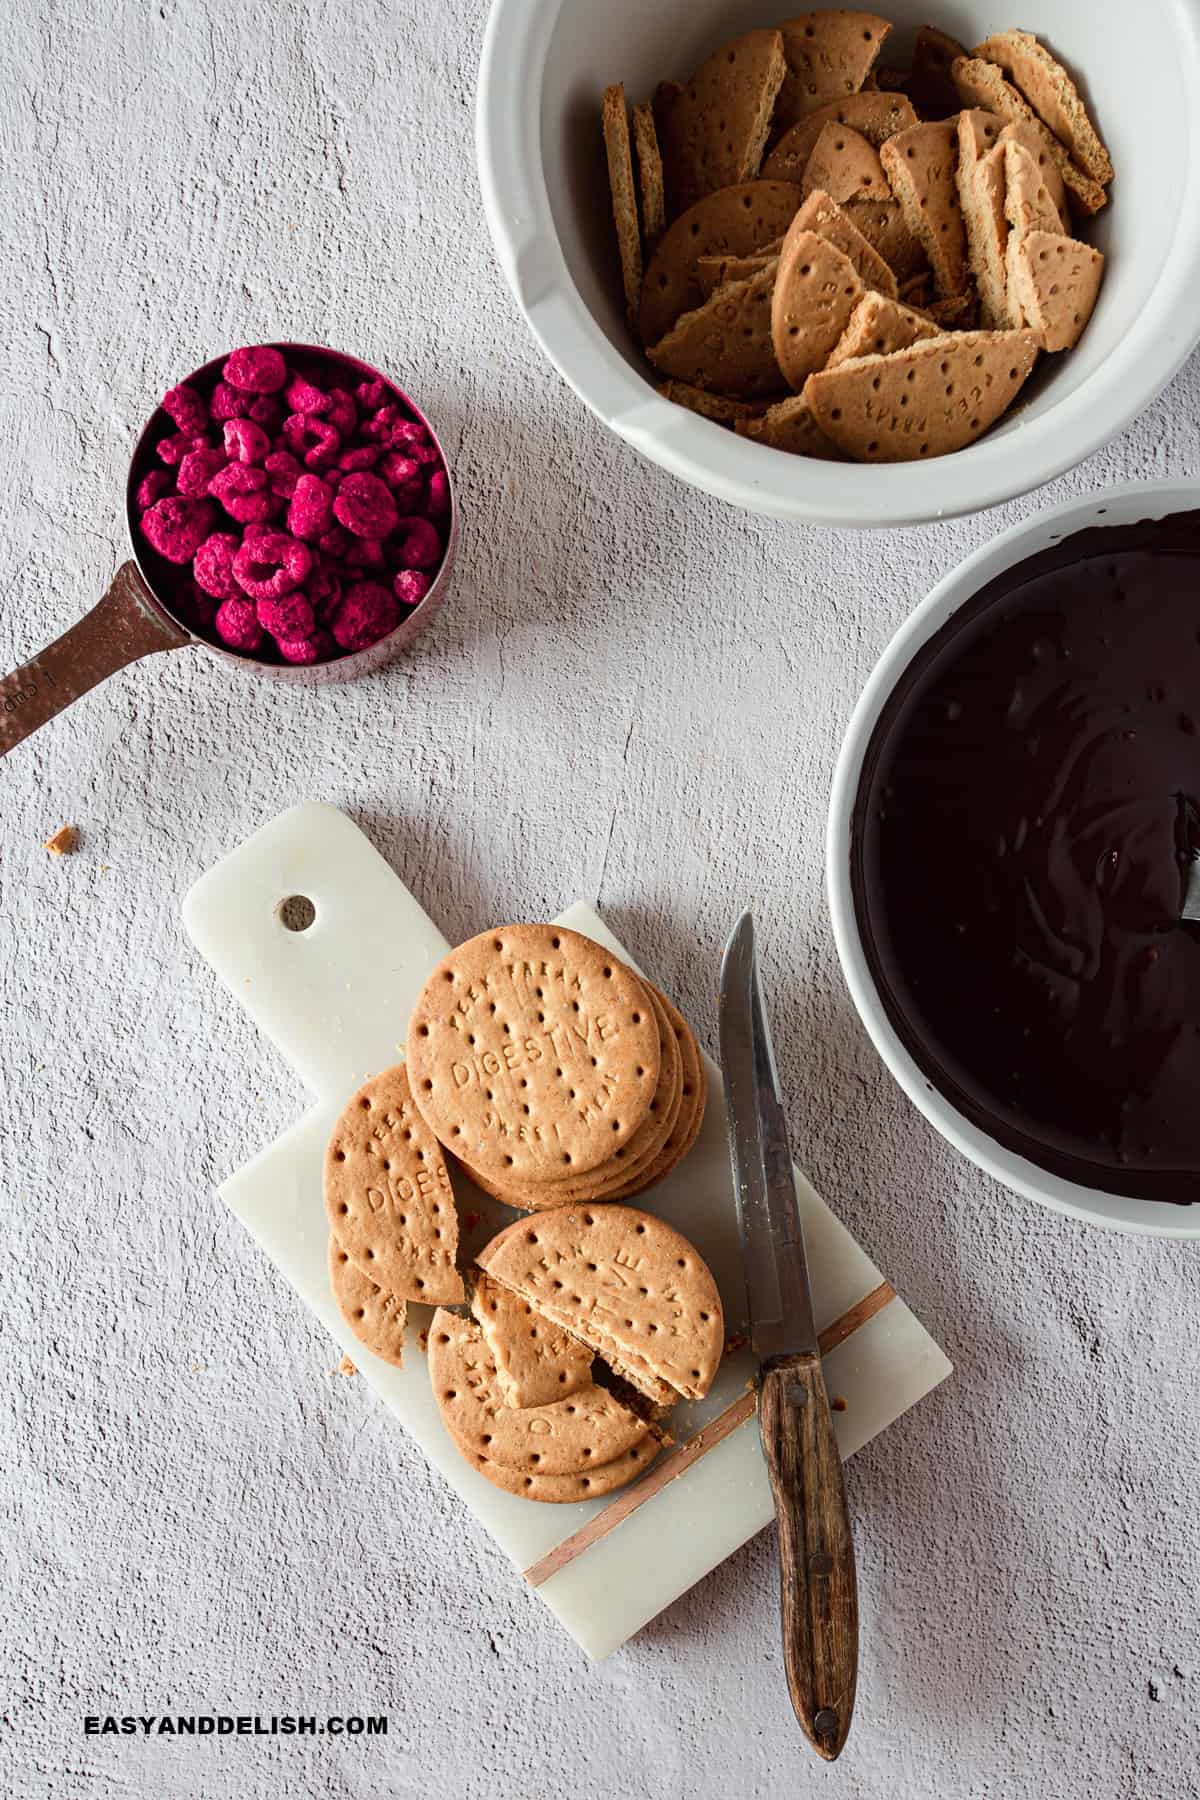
[
  {"x": 553, "y": 1032},
  {"x": 397, "y": 1192}
]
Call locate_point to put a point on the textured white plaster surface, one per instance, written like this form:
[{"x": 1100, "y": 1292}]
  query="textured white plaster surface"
[{"x": 634, "y": 693}]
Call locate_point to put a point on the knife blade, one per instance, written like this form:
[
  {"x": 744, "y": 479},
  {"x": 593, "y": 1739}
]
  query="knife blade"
[
  {"x": 818, "y": 1581},
  {"x": 777, "y": 1285}
]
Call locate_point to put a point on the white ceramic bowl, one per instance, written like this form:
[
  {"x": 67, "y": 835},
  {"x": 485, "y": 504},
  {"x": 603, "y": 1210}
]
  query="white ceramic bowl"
[
  {"x": 1119, "y": 506},
  {"x": 544, "y": 68}
]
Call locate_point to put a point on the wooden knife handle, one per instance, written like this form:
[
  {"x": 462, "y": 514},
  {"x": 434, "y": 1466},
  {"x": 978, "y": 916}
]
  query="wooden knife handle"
[{"x": 818, "y": 1584}]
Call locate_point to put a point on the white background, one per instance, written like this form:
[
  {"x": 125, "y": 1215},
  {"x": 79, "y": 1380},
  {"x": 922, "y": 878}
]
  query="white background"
[{"x": 635, "y": 695}]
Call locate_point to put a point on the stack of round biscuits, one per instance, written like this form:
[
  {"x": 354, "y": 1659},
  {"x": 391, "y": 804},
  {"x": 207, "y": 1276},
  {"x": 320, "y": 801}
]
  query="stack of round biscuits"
[{"x": 553, "y": 1073}]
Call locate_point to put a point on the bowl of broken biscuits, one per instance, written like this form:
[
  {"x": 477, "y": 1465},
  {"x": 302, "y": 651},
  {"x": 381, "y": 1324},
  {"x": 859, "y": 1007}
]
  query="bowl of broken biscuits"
[{"x": 844, "y": 268}]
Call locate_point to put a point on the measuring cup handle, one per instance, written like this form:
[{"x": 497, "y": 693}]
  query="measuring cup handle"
[{"x": 125, "y": 625}]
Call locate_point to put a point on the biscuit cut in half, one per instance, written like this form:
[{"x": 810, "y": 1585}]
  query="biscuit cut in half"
[
  {"x": 388, "y": 1195},
  {"x": 790, "y": 426},
  {"x": 1054, "y": 281},
  {"x": 877, "y": 327},
  {"x": 885, "y": 228},
  {"x": 822, "y": 214},
  {"x": 650, "y": 179},
  {"x": 935, "y": 397},
  {"x": 536, "y": 1362},
  {"x": 981, "y": 189},
  {"x": 876, "y": 117},
  {"x": 845, "y": 166},
  {"x": 1053, "y": 96},
  {"x": 625, "y": 1284},
  {"x": 713, "y": 133},
  {"x": 624, "y": 198},
  {"x": 829, "y": 54},
  {"x": 713, "y": 272},
  {"x": 565, "y": 1440},
  {"x": 1033, "y": 138},
  {"x": 717, "y": 407},
  {"x": 1027, "y": 202},
  {"x": 726, "y": 343},
  {"x": 981, "y": 83},
  {"x": 376, "y": 1318},
  {"x": 930, "y": 85},
  {"x": 922, "y": 166},
  {"x": 738, "y": 221},
  {"x": 816, "y": 290}
]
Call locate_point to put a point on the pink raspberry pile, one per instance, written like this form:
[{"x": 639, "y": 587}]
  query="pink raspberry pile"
[{"x": 313, "y": 519}]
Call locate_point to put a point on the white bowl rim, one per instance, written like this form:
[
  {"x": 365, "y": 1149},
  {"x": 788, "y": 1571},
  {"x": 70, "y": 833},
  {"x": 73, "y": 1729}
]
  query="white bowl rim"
[
  {"x": 1153, "y": 499},
  {"x": 997, "y": 468}
]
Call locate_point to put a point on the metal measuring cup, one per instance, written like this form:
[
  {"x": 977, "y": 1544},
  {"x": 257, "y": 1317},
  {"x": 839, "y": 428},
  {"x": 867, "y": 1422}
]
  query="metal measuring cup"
[{"x": 147, "y": 605}]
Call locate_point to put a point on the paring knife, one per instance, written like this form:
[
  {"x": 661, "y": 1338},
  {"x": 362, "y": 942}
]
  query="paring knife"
[{"x": 818, "y": 1583}]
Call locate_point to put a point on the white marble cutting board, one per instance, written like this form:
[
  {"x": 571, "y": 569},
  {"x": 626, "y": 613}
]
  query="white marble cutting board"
[{"x": 335, "y": 999}]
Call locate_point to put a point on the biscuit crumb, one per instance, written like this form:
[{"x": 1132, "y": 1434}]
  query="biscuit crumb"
[
  {"x": 838, "y": 1404},
  {"x": 737, "y": 1342},
  {"x": 345, "y": 1367},
  {"x": 64, "y": 842}
]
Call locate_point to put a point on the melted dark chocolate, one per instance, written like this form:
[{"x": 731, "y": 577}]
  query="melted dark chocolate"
[{"x": 1028, "y": 812}]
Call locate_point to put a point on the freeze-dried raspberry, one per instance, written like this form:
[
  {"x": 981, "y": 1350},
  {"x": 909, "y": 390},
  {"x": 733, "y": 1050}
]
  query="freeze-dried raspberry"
[
  {"x": 266, "y": 410},
  {"x": 283, "y": 472},
  {"x": 257, "y": 369},
  {"x": 363, "y": 456},
  {"x": 310, "y": 514},
  {"x": 227, "y": 403},
  {"x": 313, "y": 440},
  {"x": 246, "y": 440},
  {"x": 255, "y": 529},
  {"x": 237, "y": 625},
  {"x": 367, "y": 613},
  {"x": 341, "y": 412},
  {"x": 335, "y": 541},
  {"x": 197, "y": 470},
  {"x": 288, "y": 616},
  {"x": 152, "y": 487},
  {"x": 418, "y": 545},
  {"x": 299, "y": 649},
  {"x": 305, "y": 397},
  {"x": 399, "y": 470},
  {"x": 271, "y": 565},
  {"x": 411, "y": 586},
  {"x": 383, "y": 422},
  {"x": 243, "y": 492},
  {"x": 439, "y": 495},
  {"x": 365, "y": 553},
  {"x": 176, "y": 527},
  {"x": 213, "y": 567},
  {"x": 371, "y": 395},
  {"x": 186, "y": 407},
  {"x": 364, "y": 505},
  {"x": 323, "y": 591},
  {"x": 172, "y": 450}
]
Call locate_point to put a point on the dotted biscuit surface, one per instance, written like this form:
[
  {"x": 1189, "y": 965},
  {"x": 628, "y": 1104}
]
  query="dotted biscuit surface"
[
  {"x": 533, "y": 1053},
  {"x": 627, "y": 1284},
  {"x": 388, "y": 1195},
  {"x": 570, "y": 1436},
  {"x": 376, "y": 1317}
]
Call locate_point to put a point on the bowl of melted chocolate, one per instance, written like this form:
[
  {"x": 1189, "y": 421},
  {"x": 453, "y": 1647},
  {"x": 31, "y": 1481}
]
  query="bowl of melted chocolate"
[{"x": 1014, "y": 858}]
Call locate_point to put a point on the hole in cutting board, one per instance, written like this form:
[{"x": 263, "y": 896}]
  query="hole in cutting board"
[{"x": 296, "y": 913}]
